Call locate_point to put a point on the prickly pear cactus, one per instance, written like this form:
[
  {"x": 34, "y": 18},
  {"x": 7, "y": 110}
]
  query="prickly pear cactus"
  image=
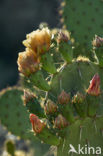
[
  {"x": 67, "y": 110},
  {"x": 14, "y": 116},
  {"x": 83, "y": 18},
  {"x": 64, "y": 94}
]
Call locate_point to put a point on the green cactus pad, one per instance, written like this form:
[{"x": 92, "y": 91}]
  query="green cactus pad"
[
  {"x": 15, "y": 117},
  {"x": 83, "y": 18},
  {"x": 13, "y": 114},
  {"x": 75, "y": 77},
  {"x": 33, "y": 106},
  {"x": 82, "y": 132}
]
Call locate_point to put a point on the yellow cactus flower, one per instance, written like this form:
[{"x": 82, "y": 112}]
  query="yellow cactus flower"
[
  {"x": 27, "y": 62},
  {"x": 39, "y": 40}
]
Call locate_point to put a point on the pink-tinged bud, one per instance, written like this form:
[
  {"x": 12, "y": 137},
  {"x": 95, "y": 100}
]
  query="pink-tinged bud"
[
  {"x": 27, "y": 62},
  {"x": 94, "y": 87},
  {"x": 78, "y": 98},
  {"x": 39, "y": 41},
  {"x": 50, "y": 107},
  {"x": 97, "y": 42},
  {"x": 63, "y": 98},
  {"x": 63, "y": 36},
  {"x": 60, "y": 122},
  {"x": 37, "y": 125}
]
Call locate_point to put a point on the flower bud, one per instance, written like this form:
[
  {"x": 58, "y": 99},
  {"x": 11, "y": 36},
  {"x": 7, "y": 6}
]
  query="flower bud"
[
  {"x": 60, "y": 122},
  {"x": 80, "y": 105},
  {"x": 39, "y": 41},
  {"x": 97, "y": 42},
  {"x": 65, "y": 45},
  {"x": 94, "y": 87},
  {"x": 37, "y": 125},
  {"x": 27, "y": 63},
  {"x": 63, "y": 36},
  {"x": 63, "y": 98},
  {"x": 50, "y": 107},
  {"x": 78, "y": 98},
  {"x": 27, "y": 97}
]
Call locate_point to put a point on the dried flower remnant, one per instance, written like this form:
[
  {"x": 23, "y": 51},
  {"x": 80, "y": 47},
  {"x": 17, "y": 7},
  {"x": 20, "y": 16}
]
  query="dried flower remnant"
[{"x": 27, "y": 63}]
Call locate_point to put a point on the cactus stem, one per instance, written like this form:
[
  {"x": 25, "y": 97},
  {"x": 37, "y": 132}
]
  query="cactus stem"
[
  {"x": 66, "y": 51},
  {"x": 48, "y": 63},
  {"x": 38, "y": 80},
  {"x": 48, "y": 137},
  {"x": 93, "y": 104}
]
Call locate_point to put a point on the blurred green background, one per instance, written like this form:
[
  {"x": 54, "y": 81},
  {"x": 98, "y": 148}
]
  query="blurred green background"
[{"x": 17, "y": 18}]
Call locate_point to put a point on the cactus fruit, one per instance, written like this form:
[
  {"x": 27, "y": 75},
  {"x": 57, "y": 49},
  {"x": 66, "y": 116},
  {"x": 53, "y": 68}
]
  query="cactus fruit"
[{"x": 83, "y": 18}]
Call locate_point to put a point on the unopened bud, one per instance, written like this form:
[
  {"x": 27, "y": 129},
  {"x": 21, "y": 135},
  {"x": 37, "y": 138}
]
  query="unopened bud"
[
  {"x": 97, "y": 42},
  {"x": 50, "y": 107},
  {"x": 63, "y": 98},
  {"x": 78, "y": 98},
  {"x": 37, "y": 124},
  {"x": 27, "y": 97},
  {"x": 27, "y": 63},
  {"x": 94, "y": 87},
  {"x": 63, "y": 36},
  {"x": 60, "y": 122},
  {"x": 80, "y": 104},
  {"x": 39, "y": 41},
  {"x": 65, "y": 45}
]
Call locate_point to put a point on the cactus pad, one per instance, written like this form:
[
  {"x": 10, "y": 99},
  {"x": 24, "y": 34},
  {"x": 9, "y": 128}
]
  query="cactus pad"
[
  {"x": 82, "y": 133},
  {"x": 13, "y": 114},
  {"x": 83, "y": 18},
  {"x": 75, "y": 77}
]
